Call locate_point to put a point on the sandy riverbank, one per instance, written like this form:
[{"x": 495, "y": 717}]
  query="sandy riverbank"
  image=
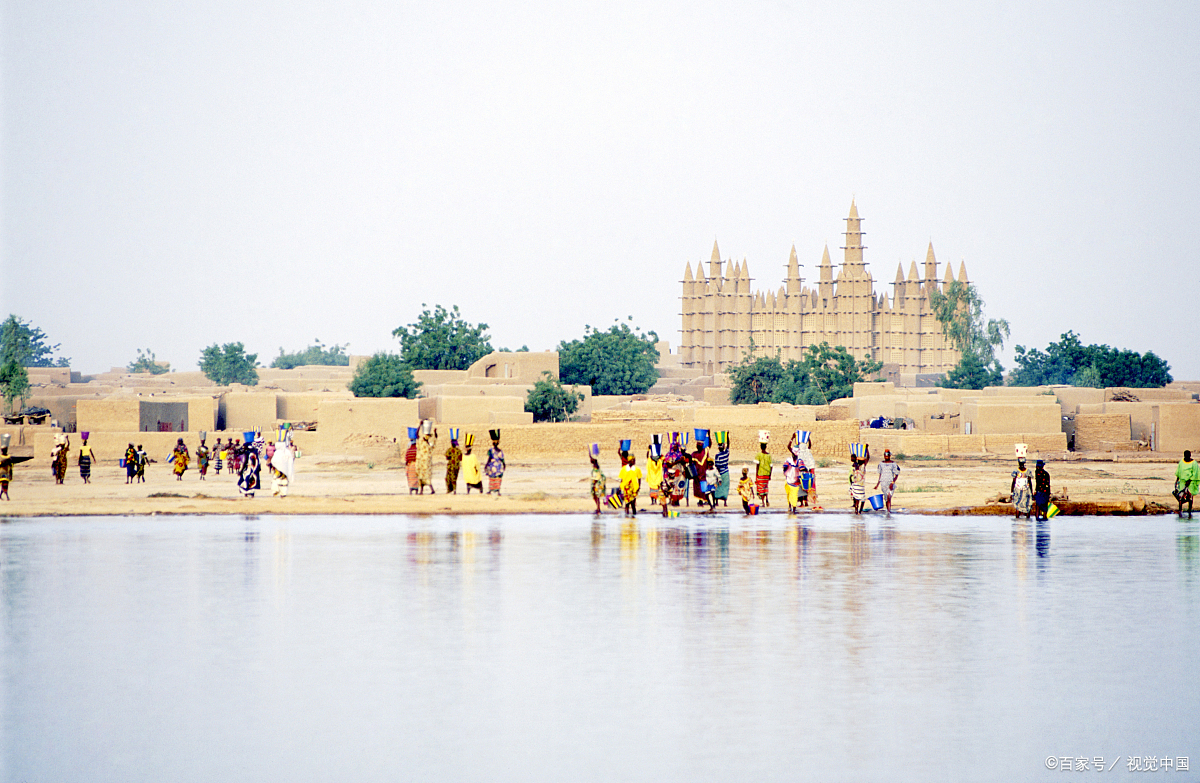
[{"x": 329, "y": 486}]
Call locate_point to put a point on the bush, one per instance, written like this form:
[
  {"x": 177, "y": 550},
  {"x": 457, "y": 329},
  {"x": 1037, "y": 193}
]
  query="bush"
[
  {"x": 384, "y": 375},
  {"x": 549, "y": 400}
]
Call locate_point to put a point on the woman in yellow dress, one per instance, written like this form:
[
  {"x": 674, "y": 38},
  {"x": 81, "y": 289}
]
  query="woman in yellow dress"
[
  {"x": 180, "y": 459},
  {"x": 472, "y": 474}
]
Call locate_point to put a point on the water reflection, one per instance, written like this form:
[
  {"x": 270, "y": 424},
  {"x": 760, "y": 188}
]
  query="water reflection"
[{"x": 672, "y": 649}]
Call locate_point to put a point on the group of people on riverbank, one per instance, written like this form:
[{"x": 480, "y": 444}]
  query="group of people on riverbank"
[
  {"x": 672, "y": 476},
  {"x": 243, "y": 460},
  {"x": 418, "y": 461},
  {"x": 676, "y": 476}
]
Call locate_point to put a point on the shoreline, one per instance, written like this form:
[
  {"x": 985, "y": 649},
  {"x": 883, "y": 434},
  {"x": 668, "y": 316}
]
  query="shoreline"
[{"x": 945, "y": 487}]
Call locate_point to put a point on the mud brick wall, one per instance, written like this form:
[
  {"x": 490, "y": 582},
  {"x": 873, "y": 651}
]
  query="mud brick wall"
[
  {"x": 1098, "y": 431},
  {"x": 1178, "y": 428}
]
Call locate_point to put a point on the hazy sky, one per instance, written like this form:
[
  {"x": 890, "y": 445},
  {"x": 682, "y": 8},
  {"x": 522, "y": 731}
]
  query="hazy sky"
[{"x": 178, "y": 174}]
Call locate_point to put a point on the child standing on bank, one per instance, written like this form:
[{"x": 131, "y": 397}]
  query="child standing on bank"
[{"x": 746, "y": 490}]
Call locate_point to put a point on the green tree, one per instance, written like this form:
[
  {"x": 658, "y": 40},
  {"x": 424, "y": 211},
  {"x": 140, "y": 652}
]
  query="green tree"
[
  {"x": 756, "y": 380},
  {"x": 825, "y": 373},
  {"x": 972, "y": 373},
  {"x": 318, "y": 353},
  {"x": 384, "y": 375},
  {"x": 549, "y": 400},
  {"x": 27, "y": 345},
  {"x": 442, "y": 340},
  {"x": 617, "y": 361},
  {"x": 959, "y": 308},
  {"x": 1069, "y": 361},
  {"x": 145, "y": 363},
  {"x": 14, "y": 382},
  {"x": 229, "y": 363}
]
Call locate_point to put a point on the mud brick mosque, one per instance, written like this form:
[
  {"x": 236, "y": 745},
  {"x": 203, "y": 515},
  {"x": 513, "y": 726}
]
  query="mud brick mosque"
[{"x": 723, "y": 316}]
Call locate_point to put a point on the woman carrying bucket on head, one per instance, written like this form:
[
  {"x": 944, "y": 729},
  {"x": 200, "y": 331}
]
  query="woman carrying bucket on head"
[
  {"x": 410, "y": 461},
  {"x": 860, "y": 455},
  {"x": 721, "y": 461},
  {"x": 801, "y": 446},
  {"x": 791, "y": 481},
  {"x": 494, "y": 467},
  {"x": 599, "y": 482}
]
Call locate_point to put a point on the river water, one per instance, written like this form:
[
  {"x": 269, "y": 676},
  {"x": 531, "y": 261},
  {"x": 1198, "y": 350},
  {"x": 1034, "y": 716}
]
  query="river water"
[{"x": 558, "y": 648}]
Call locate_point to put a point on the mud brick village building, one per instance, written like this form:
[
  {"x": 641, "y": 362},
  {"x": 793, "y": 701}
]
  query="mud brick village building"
[{"x": 723, "y": 316}]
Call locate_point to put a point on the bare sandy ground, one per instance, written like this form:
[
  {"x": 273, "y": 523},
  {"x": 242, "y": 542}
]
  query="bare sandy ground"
[{"x": 339, "y": 486}]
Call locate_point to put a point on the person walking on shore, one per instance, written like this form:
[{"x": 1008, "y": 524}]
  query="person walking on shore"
[
  {"x": 631, "y": 484},
  {"x": 6, "y": 471},
  {"x": 746, "y": 490},
  {"x": 86, "y": 455},
  {"x": 791, "y": 481},
  {"x": 425, "y": 462},
  {"x": 180, "y": 459},
  {"x": 889, "y": 472},
  {"x": 142, "y": 459},
  {"x": 802, "y": 450},
  {"x": 654, "y": 472},
  {"x": 599, "y": 484},
  {"x": 472, "y": 474},
  {"x": 494, "y": 468},
  {"x": 721, "y": 461},
  {"x": 410, "y": 467},
  {"x": 202, "y": 456},
  {"x": 130, "y": 464},
  {"x": 58, "y": 457},
  {"x": 1041, "y": 490},
  {"x": 1022, "y": 490},
  {"x": 454, "y": 457},
  {"x": 762, "y": 476},
  {"x": 249, "y": 476},
  {"x": 219, "y": 455},
  {"x": 1187, "y": 482}
]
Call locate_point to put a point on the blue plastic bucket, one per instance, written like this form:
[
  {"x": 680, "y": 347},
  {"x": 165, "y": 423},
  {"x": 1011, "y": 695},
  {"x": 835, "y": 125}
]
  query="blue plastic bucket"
[
  {"x": 412, "y": 432},
  {"x": 701, "y": 436},
  {"x": 805, "y": 479},
  {"x": 626, "y": 445},
  {"x": 876, "y": 502},
  {"x": 248, "y": 437}
]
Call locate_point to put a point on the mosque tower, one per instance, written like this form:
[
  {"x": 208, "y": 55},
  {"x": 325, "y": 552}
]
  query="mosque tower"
[{"x": 722, "y": 316}]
